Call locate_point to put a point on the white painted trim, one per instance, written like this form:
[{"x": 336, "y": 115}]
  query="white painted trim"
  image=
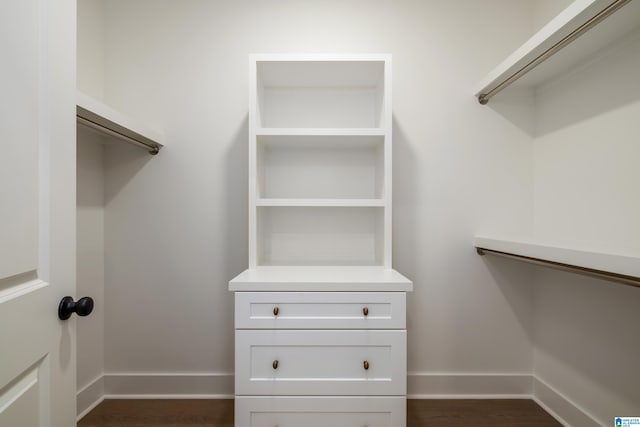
[
  {"x": 366, "y": 203},
  {"x": 468, "y": 396},
  {"x": 321, "y": 132},
  {"x": 467, "y": 386},
  {"x": 90, "y": 408},
  {"x": 167, "y": 396},
  {"x": 130, "y": 385},
  {"x": 272, "y": 57},
  {"x": 171, "y": 385},
  {"x": 561, "y": 407},
  {"x": 89, "y": 396},
  {"x": 19, "y": 289},
  {"x": 420, "y": 385}
]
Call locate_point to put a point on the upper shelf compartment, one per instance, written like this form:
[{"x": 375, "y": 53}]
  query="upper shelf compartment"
[
  {"x": 566, "y": 42},
  {"x": 104, "y": 119},
  {"x": 295, "y": 91}
]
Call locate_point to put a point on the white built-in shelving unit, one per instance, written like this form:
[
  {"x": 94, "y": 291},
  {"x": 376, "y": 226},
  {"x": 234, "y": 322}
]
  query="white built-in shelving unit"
[
  {"x": 320, "y": 147},
  {"x": 320, "y": 313},
  {"x": 103, "y": 119},
  {"x": 580, "y": 33}
]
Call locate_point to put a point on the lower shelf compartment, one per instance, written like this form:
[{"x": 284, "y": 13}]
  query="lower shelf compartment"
[
  {"x": 313, "y": 411},
  {"x": 320, "y": 236}
]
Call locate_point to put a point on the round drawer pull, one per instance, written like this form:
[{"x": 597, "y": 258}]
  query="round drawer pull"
[
  {"x": 365, "y": 311},
  {"x": 366, "y": 365},
  {"x": 275, "y": 364},
  {"x": 276, "y": 310}
]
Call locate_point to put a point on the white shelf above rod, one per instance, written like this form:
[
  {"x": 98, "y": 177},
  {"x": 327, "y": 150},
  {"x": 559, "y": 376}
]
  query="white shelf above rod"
[
  {"x": 548, "y": 41},
  {"x": 617, "y": 268},
  {"x": 97, "y": 116}
]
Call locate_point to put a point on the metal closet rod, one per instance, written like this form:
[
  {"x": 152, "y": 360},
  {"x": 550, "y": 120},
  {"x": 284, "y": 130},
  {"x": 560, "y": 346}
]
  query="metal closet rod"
[
  {"x": 604, "y": 13},
  {"x": 602, "y": 274},
  {"x": 153, "y": 149}
]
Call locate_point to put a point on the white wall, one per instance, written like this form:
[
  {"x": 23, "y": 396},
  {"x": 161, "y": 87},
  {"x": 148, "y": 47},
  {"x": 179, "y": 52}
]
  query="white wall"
[
  {"x": 177, "y": 223},
  {"x": 90, "y": 47},
  {"x": 586, "y": 196},
  {"x": 90, "y": 262},
  {"x": 586, "y": 152}
]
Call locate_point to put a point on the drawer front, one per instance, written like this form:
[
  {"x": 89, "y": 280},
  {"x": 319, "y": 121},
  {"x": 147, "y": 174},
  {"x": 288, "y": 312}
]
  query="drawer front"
[
  {"x": 290, "y": 362},
  {"x": 320, "y": 412},
  {"x": 320, "y": 310}
]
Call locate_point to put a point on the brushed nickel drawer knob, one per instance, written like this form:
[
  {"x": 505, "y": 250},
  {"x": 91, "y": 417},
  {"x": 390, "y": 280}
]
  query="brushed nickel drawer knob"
[
  {"x": 275, "y": 364},
  {"x": 365, "y": 311},
  {"x": 366, "y": 365},
  {"x": 276, "y": 310}
]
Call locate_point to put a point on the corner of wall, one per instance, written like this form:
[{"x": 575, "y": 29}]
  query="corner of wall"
[
  {"x": 89, "y": 397},
  {"x": 560, "y": 407}
]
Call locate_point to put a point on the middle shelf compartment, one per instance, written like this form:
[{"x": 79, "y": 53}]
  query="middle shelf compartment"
[{"x": 320, "y": 167}]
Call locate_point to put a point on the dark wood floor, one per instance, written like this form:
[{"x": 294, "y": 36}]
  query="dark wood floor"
[
  {"x": 219, "y": 413},
  {"x": 478, "y": 413}
]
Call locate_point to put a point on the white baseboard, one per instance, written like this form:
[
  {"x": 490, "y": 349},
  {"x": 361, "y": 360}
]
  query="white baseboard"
[
  {"x": 560, "y": 407},
  {"x": 419, "y": 386},
  {"x": 89, "y": 396},
  {"x": 168, "y": 386},
  {"x": 469, "y": 386},
  {"x": 221, "y": 386}
]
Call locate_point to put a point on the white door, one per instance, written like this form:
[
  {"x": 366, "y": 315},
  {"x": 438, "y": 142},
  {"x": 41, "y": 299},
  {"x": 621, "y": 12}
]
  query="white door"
[{"x": 37, "y": 212}]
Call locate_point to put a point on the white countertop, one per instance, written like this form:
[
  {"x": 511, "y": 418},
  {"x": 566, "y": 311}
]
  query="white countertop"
[{"x": 312, "y": 278}]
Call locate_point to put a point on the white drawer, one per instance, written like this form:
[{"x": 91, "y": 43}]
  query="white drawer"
[
  {"x": 320, "y": 362},
  {"x": 320, "y": 412},
  {"x": 320, "y": 310}
]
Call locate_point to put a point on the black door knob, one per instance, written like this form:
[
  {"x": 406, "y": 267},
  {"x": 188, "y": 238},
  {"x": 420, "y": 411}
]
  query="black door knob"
[{"x": 82, "y": 307}]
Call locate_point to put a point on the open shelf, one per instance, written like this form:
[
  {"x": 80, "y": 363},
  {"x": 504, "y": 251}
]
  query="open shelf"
[
  {"x": 619, "y": 268},
  {"x": 298, "y": 91},
  {"x": 329, "y": 167},
  {"x": 620, "y": 25},
  {"x": 320, "y": 236},
  {"x": 320, "y": 160},
  {"x": 344, "y": 203},
  {"x": 320, "y": 132},
  {"x": 104, "y": 119}
]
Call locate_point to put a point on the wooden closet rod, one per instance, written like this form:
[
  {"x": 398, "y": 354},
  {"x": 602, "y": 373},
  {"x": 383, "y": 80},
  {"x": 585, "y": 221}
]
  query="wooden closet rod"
[
  {"x": 602, "y": 274},
  {"x": 595, "y": 20}
]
